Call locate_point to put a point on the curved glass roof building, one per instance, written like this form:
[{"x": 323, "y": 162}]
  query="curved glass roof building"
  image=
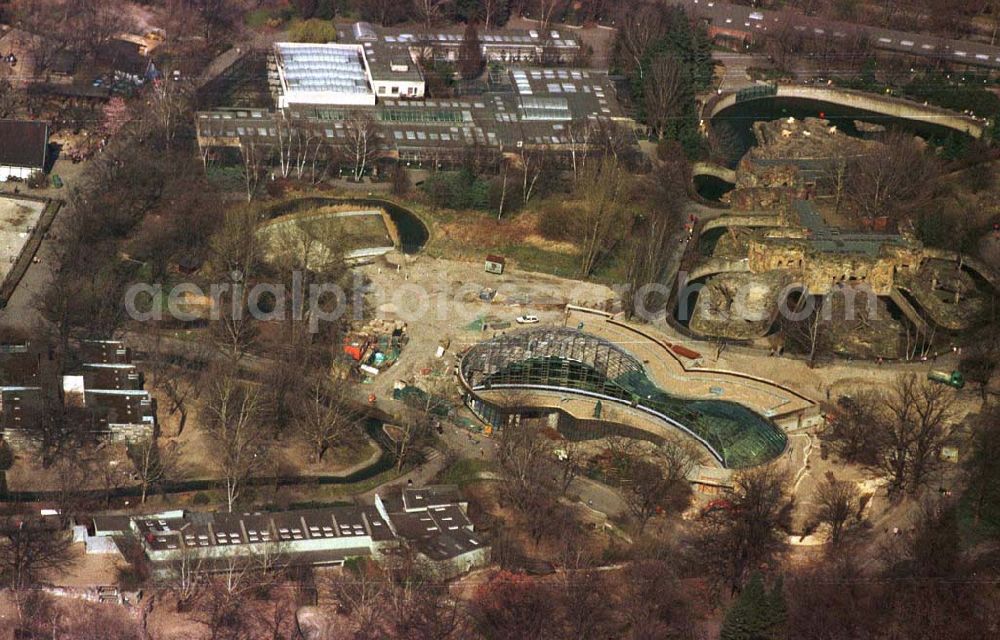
[{"x": 571, "y": 361}]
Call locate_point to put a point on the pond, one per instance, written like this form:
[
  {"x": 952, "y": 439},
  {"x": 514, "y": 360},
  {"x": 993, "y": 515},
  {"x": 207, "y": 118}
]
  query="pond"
[
  {"x": 712, "y": 188},
  {"x": 740, "y": 118},
  {"x": 413, "y": 234}
]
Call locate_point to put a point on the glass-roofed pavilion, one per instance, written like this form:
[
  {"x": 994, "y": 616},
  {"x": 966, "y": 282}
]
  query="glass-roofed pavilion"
[{"x": 574, "y": 362}]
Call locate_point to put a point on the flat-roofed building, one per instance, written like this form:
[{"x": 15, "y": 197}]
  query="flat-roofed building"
[
  {"x": 322, "y": 74},
  {"x": 24, "y": 148},
  {"x": 443, "y": 533}
]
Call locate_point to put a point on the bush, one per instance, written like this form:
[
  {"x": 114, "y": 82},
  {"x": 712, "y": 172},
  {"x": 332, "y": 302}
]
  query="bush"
[
  {"x": 555, "y": 221},
  {"x": 38, "y": 180},
  {"x": 312, "y": 30},
  {"x": 458, "y": 190},
  {"x": 201, "y": 498}
]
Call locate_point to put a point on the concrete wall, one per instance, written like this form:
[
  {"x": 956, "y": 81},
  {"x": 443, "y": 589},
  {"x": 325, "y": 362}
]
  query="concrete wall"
[
  {"x": 715, "y": 170},
  {"x": 7, "y": 172},
  {"x": 869, "y": 102}
]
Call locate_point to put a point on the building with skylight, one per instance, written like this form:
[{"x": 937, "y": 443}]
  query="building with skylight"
[{"x": 322, "y": 74}]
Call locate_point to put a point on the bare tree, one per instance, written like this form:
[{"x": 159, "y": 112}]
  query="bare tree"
[
  {"x": 836, "y": 501},
  {"x": 10, "y": 99},
  {"x": 640, "y": 26},
  {"x": 430, "y": 10},
  {"x": 738, "y": 540},
  {"x": 236, "y": 255},
  {"x": 547, "y": 12},
  {"x": 892, "y": 181},
  {"x": 232, "y": 425},
  {"x": 187, "y": 577},
  {"x": 489, "y": 10},
  {"x": 255, "y": 155},
  {"x": 361, "y": 143},
  {"x": 663, "y": 94},
  {"x": 29, "y": 551},
  {"x": 982, "y": 464},
  {"x": 914, "y": 427},
  {"x": 851, "y": 429},
  {"x": 325, "y": 417},
  {"x": 424, "y": 412},
  {"x": 603, "y": 212},
  {"x": 153, "y": 464}
]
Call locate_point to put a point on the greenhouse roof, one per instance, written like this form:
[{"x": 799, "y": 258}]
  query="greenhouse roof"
[{"x": 573, "y": 361}]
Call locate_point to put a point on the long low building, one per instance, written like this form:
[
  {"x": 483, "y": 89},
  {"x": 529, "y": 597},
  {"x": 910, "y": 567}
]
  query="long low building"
[
  {"x": 557, "y": 110},
  {"x": 432, "y": 519},
  {"x": 24, "y": 146}
]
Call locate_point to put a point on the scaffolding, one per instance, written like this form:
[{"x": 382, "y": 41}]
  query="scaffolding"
[{"x": 575, "y": 362}]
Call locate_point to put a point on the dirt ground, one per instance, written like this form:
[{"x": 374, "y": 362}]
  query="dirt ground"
[{"x": 439, "y": 301}]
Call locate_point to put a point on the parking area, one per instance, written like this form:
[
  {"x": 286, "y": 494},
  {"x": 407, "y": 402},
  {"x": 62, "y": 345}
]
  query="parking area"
[{"x": 18, "y": 218}]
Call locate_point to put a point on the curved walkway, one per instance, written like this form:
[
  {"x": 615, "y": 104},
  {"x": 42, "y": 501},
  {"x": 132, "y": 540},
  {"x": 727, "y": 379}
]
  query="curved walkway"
[
  {"x": 672, "y": 374},
  {"x": 889, "y": 106}
]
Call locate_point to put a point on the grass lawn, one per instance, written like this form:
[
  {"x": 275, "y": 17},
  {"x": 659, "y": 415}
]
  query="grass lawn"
[
  {"x": 330, "y": 228},
  {"x": 464, "y": 471},
  {"x": 470, "y": 235},
  {"x": 972, "y": 532}
]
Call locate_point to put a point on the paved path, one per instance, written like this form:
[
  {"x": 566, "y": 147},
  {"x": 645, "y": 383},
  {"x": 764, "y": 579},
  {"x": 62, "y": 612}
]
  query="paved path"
[
  {"x": 668, "y": 373},
  {"x": 759, "y": 22}
]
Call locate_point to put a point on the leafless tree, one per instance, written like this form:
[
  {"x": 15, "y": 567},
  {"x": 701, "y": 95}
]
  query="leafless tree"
[
  {"x": 10, "y": 99},
  {"x": 29, "y": 551},
  {"x": 640, "y": 25},
  {"x": 489, "y": 10},
  {"x": 422, "y": 414},
  {"x": 892, "y": 181},
  {"x": 153, "y": 464},
  {"x": 98, "y": 21},
  {"x": 547, "y": 12},
  {"x": 255, "y": 154},
  {"x": 738, "y": 540},
  {"x": 603, "y": 213},
  {"x": 835, "y": 173},
  {"x": 663, "y": 94},
  {"x": 652, "y": 230},
  {"x": 851, "y": 430},
  {"x": 236, "y": 256},
  {"x": 361, "y": 143},
  {"x": 533, "y": 163},
  {"x": 325, "y": 417},
  {"x": 430, "y": 10},
  {"x": 914, "y": 427},
  {"x": 982, "y": 464},
  {"x": 232, "y": 424},
  {"x": 570, "y": 457},
  {"x": 837, "y": 501},
  {"x": 187, "y": 577}
]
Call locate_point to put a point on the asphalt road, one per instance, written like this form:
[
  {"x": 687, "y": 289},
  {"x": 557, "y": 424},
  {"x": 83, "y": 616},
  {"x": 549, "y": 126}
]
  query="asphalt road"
[{"x": 726, "y": 15}]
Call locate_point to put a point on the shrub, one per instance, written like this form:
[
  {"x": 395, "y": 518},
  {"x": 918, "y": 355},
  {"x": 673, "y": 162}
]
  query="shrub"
[
  {"x": 458, "y": 190},
  {"x": 312, "y": 30},
  {"x": 38, "y": 180},
  {"x": 201, "y": 498}
]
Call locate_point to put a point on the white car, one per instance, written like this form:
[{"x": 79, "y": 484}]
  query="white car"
[{"x": 527, "y": 319}]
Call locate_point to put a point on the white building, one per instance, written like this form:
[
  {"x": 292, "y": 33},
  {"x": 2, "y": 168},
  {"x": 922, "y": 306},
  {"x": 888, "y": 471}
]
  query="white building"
[
  {"x": 23, "y": 148},
  {"x": 432, "y": 519},
  {"x": 344, "y": 74},
  {"x": 322, "y": 74}
]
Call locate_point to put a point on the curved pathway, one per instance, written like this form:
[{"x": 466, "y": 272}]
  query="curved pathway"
[
  {"x": 885, "y": 105},
  {"x": 680, "y": 375}
]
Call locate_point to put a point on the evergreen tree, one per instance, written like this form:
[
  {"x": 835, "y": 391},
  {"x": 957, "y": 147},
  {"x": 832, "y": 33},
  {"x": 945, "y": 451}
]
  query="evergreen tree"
[
  {"x": 756, "y": 614},
  {"x": 470, "y": 55}
]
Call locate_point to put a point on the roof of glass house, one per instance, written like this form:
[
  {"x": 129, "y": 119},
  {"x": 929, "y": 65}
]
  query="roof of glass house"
[
  {"x": 573, "y": 361},
  {"x": 322, "y": 67}
]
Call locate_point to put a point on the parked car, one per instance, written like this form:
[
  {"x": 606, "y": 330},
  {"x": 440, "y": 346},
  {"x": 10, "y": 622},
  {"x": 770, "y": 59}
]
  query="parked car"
[{"x": 527, "y": 319}]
